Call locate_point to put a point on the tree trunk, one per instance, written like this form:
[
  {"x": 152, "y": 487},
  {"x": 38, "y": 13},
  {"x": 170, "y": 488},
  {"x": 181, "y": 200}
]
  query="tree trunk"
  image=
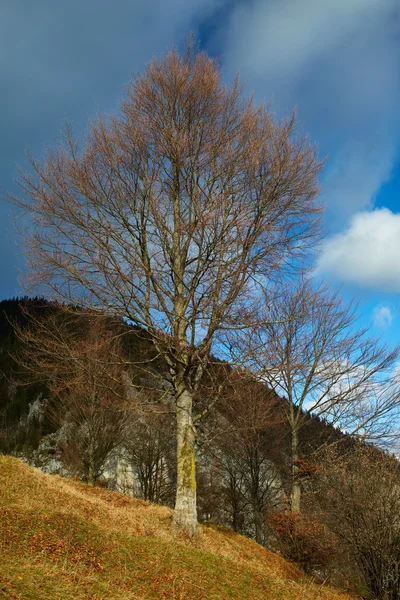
[
  {"x": 235, "y": 503},
  {"x": 295, "y": 496},
  {"x": 258, "y": 528},
  {"x": 92, "y": 471},
  {"x": 185, "y": 515}
]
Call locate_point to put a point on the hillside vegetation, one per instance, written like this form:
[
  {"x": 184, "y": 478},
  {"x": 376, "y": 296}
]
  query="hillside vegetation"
[{"x": 64, "y": 539}]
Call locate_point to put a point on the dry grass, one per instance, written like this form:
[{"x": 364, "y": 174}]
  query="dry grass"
[{"x": 62, "y": 539}]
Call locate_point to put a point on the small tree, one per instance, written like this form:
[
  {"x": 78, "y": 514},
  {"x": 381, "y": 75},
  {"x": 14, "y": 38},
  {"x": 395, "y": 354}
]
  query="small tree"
[
  {"x": 310, "y": 351},
  {"x": 149, "y": 448},
  {"x": 78, "y": 357},
  {"x": 172, "y": 216},
  {"x": 360, "y": 495},
  {"x": 246, "y": 452}
]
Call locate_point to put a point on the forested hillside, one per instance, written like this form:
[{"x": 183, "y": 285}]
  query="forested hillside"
[
  {"x": 125, "y": 440},
  {"x": 246, "y": 417}
]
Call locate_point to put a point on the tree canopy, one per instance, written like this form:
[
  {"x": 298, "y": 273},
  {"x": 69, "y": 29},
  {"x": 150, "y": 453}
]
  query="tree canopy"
[{"x": 174, "y": 214}]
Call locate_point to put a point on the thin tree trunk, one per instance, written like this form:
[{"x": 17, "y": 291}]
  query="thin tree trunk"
[
  {"x": 185, "y": 515},
  {"x": 92, "y": 475},
  {"x": 295, "y": 496},
  {"x": 258, "y": 528},
  {"x": 235, "y": 504}
]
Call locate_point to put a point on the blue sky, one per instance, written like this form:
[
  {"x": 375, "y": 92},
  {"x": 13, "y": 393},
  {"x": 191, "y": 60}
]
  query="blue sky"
[{"x": 337, "y": 61}]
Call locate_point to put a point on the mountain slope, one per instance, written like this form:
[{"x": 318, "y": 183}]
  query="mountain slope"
[{"x": 62, "y": 539}]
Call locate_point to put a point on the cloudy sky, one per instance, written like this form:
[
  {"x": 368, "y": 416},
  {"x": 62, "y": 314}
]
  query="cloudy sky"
[{"x": 337, "y": 61}]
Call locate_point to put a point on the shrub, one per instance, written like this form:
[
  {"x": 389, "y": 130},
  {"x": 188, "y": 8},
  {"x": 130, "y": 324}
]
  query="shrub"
[{"x": 303, "y": 540}]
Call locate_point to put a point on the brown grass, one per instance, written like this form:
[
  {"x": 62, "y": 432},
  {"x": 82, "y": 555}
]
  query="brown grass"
[{"x": 62, "y": 539}]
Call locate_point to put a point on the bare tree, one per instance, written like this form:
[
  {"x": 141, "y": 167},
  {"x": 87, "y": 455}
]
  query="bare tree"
[
  {"x": 246, "y": 451},
  {"x": 172, "y": 215},
  {"x": 311, "y": 351},
  {"x": 364, "y": 511},
  {"x": 149, "y": 448},
  {"x": 79, "y": 358}
]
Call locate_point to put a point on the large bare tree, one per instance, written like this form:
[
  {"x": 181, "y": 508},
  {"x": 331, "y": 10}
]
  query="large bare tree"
[
  {"x": 172, "y": 215},
  {"x": 311, "y": 351}
]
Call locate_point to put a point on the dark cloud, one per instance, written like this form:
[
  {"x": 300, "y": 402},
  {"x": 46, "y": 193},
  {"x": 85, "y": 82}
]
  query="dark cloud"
[
  {"x": 338, "y": 61},
  {"x": 67, "y": 60}
]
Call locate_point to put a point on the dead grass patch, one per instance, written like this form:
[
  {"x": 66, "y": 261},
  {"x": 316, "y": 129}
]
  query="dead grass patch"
[{"x": 63, "y": 539}]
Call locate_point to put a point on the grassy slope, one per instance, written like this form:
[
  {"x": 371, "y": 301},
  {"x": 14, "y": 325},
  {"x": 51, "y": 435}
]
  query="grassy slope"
[{"x": 61, "y": 539}]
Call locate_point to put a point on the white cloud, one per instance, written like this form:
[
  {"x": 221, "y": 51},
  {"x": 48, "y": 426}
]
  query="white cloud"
[
  {"x": 383, "y": 317},
  {"x": 368, "y": 253},
  {"x": 339, "y": 62}
]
